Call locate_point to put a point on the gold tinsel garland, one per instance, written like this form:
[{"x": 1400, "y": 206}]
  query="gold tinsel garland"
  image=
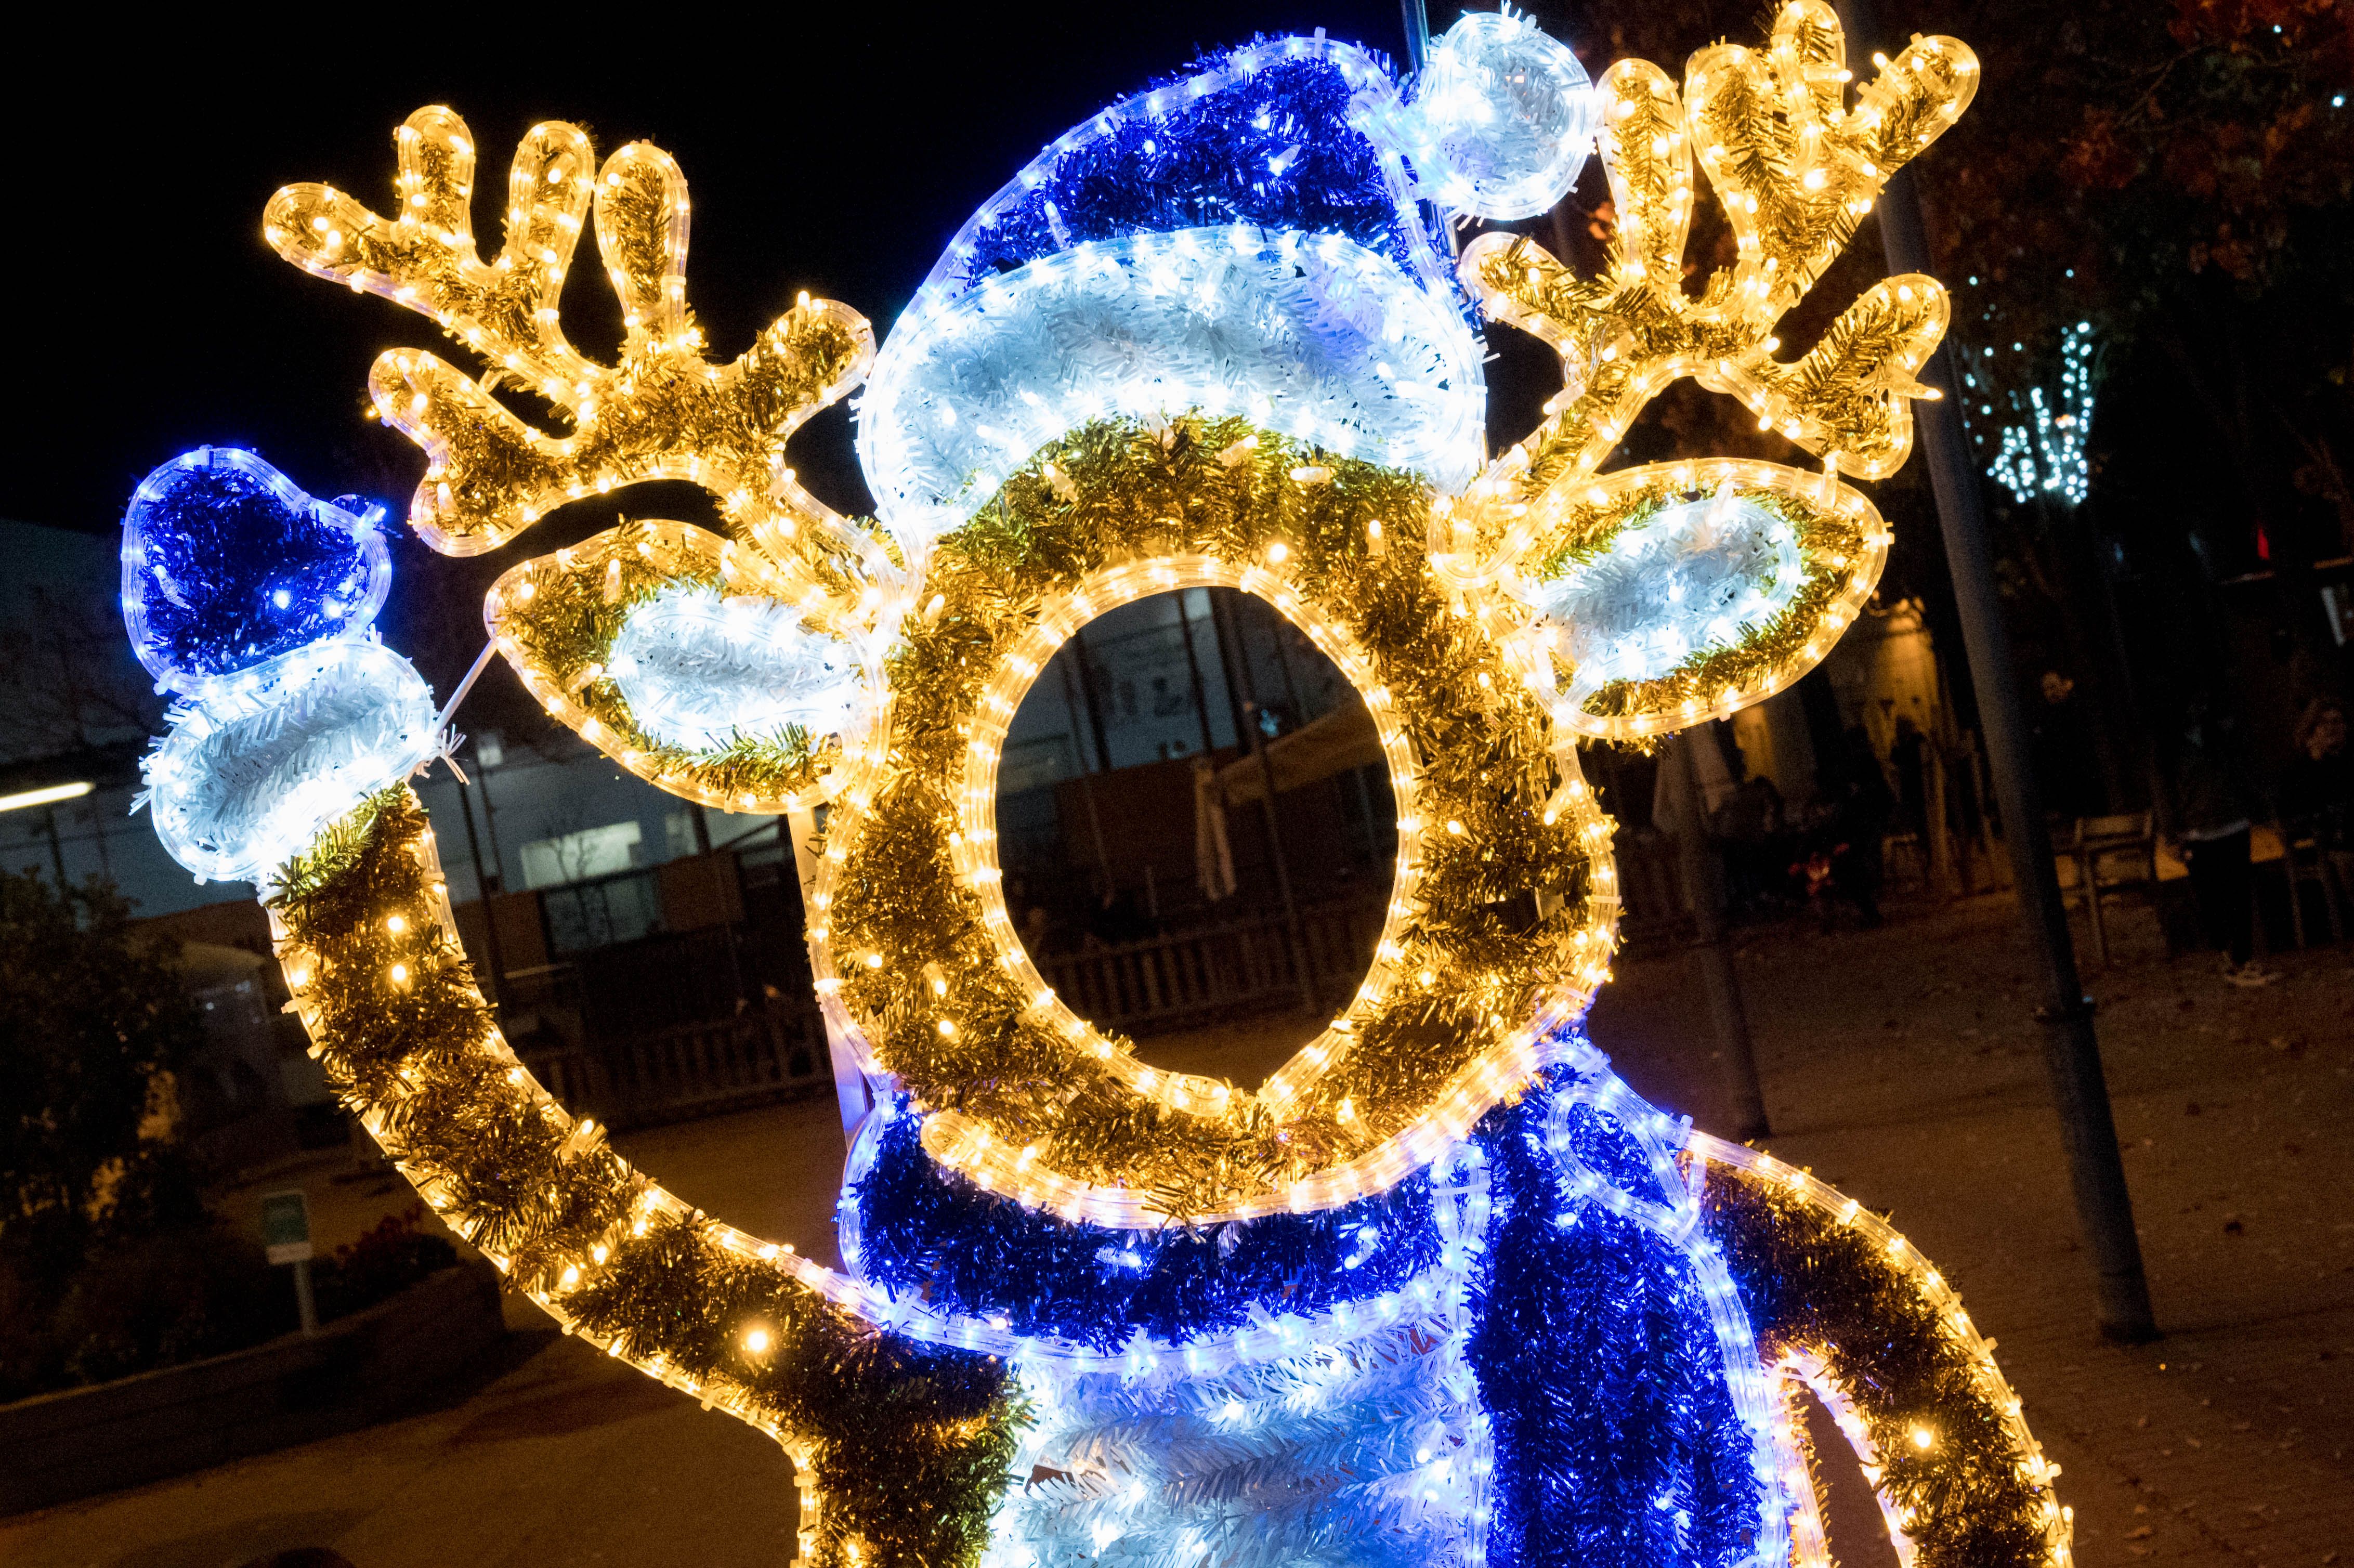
[
  {"x": 662, "y": 411},
  {"x": 1837, "y": 1297},
  {"x": 556, "y": 619},
  {"x": 906, "y": 1445},
  {"x": 1842, "y": 544},
  {"x": 1795, "y": 172},
  {"x": 917, "y": 952},
  {"x": 915, "y": 949}
]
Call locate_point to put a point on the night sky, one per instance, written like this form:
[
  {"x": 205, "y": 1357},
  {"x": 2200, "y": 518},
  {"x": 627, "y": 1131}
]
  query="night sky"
[{"x": 836, "y": 153}]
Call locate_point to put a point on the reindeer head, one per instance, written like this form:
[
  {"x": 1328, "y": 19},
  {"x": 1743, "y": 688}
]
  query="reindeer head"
[
  {"x": 1655, "y": 596},
  {"x": 1686, "y": 590}
]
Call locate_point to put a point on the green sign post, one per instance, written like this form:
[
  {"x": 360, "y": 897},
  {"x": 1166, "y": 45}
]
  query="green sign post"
[{"x": 286, "y": 1233}]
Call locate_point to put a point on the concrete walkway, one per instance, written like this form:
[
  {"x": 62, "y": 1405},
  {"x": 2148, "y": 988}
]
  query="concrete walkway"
[{"x": 1902, "y": 1064}]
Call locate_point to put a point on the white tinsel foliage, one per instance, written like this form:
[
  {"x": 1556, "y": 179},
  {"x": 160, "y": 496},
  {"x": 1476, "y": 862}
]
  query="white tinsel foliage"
[
  {"x": 1691, "y": 577},
  {"x": 1371, "y": 1452},
  {"x": 263, "y": 760},
  {"x": 1313, "y": 336},
  {"x": 699, "y": 670}
]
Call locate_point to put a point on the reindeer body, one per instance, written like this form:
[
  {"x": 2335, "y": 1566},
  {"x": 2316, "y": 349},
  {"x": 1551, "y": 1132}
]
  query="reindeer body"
[{"x": 1443, "y": 1290}]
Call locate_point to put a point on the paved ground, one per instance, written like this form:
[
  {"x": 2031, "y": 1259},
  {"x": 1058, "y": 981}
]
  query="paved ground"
[{"x": 1900, "y": 1065}]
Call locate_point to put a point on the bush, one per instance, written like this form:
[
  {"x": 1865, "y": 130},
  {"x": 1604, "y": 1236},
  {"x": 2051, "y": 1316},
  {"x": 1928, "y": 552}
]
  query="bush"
[
  {"x": 92, "y": 1027},
  {"x": 109, "y": 1264},
  {"x": 382, "y": 1264},
  {"x": 140, "y": 1303}
]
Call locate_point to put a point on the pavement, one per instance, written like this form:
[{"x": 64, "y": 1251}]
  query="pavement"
[{"x": 1902, "y": 1064}]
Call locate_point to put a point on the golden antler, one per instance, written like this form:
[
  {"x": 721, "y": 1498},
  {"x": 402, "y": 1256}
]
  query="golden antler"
[
  {"x": 1795, "y": 172},
  {"x": 663, "y": 412},
  {"x": 739, "y": 611}
]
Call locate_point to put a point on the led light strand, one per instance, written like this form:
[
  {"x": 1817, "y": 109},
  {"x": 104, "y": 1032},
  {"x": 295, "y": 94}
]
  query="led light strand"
[
  {"x": 1143, "y": 509},
  {"x": 1950, "y": 1454},
  {"x": 1795, "y": 172}
]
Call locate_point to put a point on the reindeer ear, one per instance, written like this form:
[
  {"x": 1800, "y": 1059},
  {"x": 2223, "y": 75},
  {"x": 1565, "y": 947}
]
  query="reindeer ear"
[
  {"x": 1677, "y": 592},
  {"x": 670, "y": 650}
]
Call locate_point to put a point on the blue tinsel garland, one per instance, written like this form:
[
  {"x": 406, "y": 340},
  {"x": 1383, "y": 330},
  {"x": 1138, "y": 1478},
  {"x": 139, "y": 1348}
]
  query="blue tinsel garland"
[
  {"x": 1279, "y": 150},
  {"x": 1617, "y": 1442},
  {"x": 970, "y": 1252},
  {"x": 227, "y": 563}
]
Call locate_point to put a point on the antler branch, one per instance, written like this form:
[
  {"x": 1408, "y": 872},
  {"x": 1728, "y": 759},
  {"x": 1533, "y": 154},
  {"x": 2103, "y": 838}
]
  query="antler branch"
[
  {"x": 1795, "y": 172},
  {"x": 662, "y": 412}
]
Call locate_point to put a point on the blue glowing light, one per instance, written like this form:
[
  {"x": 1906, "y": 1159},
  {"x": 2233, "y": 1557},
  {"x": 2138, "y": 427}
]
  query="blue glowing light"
[
  {"x": 2044, "y": 433},
  {"x": 1273, "y": 135},
  {"x": 1244, "y": 240},
  {"x": 1531, "y": 1351},
  {"x": 921, "y": 1230},
  {"x": 228, "y": 563}
]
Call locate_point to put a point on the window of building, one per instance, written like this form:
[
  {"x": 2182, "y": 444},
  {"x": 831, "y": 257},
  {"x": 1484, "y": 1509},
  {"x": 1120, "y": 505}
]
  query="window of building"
[{"x": 579, "y": 856}]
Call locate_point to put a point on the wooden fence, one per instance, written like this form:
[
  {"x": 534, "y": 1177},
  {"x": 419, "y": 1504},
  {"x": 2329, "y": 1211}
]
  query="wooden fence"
[
  {"x": 1194, "y": 977},
  {"x": 689, "y": 1070},
  {"x": 1180, "y": 981}
]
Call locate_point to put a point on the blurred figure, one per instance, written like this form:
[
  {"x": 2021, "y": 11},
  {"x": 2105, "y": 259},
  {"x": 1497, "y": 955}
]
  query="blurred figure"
[
  {"x": 1843, "y": 858},
  {"x": 1748, "y": 828},
  {"x": 1866, "y": 804},
  {"x": 1908, "y": 754},
  {"x": 2062, "y": 749},
  {"x": 2217, "y": 807},
  {"x": 2318, "y": 786}
]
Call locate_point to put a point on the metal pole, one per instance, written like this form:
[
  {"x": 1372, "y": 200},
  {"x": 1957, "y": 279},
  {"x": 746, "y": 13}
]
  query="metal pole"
[
  {"x": 1240, "y": 675},
  {"x": 497, "y": 971},
  {"x": 306, "y": 1305},
  {"x": 1071, "y": 694},
  {"x": 2072, "y": 1049},
  {"x": 849, "y": 1092},
  {"x": 1417, "y": 31},
  {"x": 1193, "y": 672},
  {"x": 1702, "y": 873},
  {"x": 57, "y": 848}
]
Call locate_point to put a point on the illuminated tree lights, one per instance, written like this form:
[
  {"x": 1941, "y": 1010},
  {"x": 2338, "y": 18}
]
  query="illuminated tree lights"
[
  {"x": 1442, "y": 1290},
  {"x": 2042, "y": 453}
]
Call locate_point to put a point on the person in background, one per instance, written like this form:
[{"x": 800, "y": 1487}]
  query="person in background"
[
  {"x": 2062, "y": 747},
  {"x": 1748, "y": 828},
  {"x": 2317, "y": 785},
  {"x": 2317, "y": 788},
  {"x": 2217, "y": 811},
  {"x": 1907, "y": 754},
  {"x": 1861, "y": 804}
]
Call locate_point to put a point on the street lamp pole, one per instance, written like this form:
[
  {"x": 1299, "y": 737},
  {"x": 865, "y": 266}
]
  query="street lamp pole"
[{"x": 2072, "y": 1048}]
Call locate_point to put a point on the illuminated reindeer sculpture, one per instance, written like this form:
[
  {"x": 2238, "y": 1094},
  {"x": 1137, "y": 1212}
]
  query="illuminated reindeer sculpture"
[{"x": 1442, "y": 1290}]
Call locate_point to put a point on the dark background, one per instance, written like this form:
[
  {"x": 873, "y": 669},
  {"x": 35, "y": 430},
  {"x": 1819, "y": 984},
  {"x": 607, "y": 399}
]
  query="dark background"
[{"x": 835, "y": 150}]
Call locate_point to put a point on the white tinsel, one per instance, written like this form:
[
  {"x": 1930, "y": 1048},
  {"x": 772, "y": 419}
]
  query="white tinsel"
[
  {"x": 698, "y": 671},
  {"x": 1501, "y": 118},
  {"x": 1314, "y": 336},
  {"x": 1688, "y": 579},
  {"x": 1366, "y": 1448},
  {"x": 256, "y": 766}
]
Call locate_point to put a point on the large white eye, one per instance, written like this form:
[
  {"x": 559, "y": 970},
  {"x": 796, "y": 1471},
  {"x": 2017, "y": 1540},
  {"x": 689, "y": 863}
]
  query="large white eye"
[
  {"x": 1501, "y": 118},
  {"x": 698, "y": 671}
]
